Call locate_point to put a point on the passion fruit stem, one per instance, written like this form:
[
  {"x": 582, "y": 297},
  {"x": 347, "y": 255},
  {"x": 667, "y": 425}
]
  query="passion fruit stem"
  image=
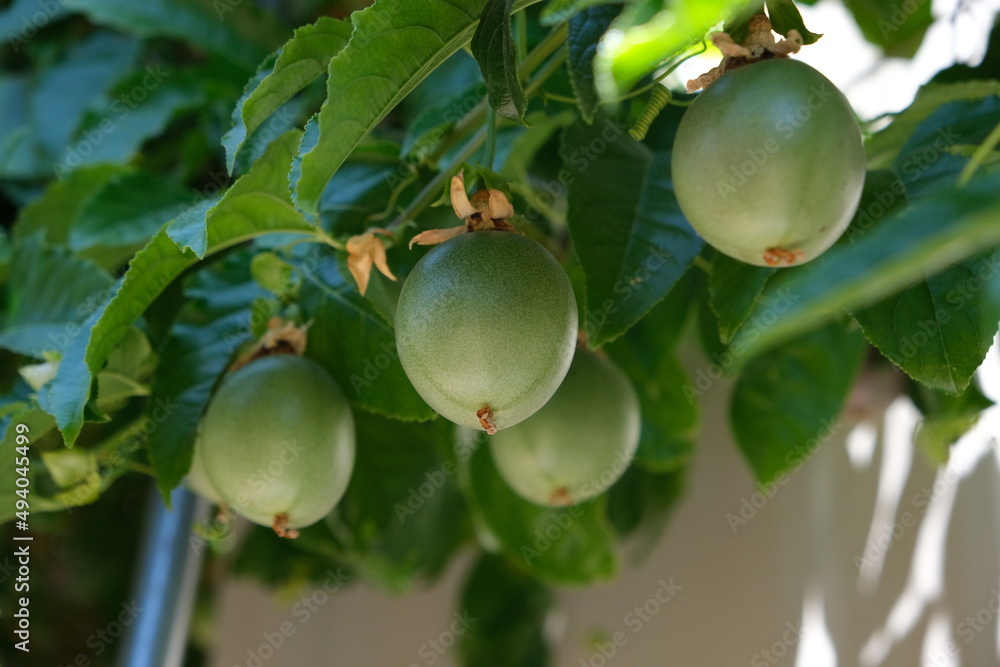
[
  {"x": 281, "y": 528},
  {"x": 485, "y": 416}
]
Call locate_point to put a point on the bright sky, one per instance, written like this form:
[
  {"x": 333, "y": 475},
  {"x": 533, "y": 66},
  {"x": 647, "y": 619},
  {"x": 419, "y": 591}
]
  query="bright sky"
[{"x": 873, "y": 84}]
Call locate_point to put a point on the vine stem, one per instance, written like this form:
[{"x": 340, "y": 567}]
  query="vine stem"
[{"x": 978, "y": 156}]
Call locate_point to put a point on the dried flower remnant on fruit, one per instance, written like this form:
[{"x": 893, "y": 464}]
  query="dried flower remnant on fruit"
[
  {"x": 281, "y": 337},
  {"x": 780, "y": 256},
  {"x": 364, "y": 251},
  {"x": 560, "y": 496},
  {"x": 485, "y": 416},
  {"x": 759, "y": 45},
  {"x": 281, "y": 528},
  {"x": 486, "y": 210}
]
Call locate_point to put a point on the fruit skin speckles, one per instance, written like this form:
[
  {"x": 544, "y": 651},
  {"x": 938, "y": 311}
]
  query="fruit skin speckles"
[
  {"x": 580, "y": 443},
  {"x": 277, "y": 442},
  {"x": 486, "y": 328},
  {"x": 768, "y": 163}
]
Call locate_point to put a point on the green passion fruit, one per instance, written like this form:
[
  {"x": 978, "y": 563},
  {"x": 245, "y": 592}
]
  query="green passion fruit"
[
  {"x": 579, "y": 443},
  {"x": 768, "y": 163},
  {"x": 277, "y": 442},
  {"x": 486, "y": 328}
]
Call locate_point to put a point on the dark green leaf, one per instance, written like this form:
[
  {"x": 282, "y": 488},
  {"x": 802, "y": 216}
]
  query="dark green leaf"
[
  {"x": 355, "y": 344},
  {"x": 403, "y": 510},
  {"x": 557, "y": 11},
  {"x": 302, "y": 60},
  {"x": 628, "y": 231},
  {"x": 939, "y": 330},
  {"x": 897, "y": 27},
  {"x": 939, "y": 230},
  {"x": 505, "y": 611},
  {"x": 585, "y": 30},
  {"x": 946, "y": 418},
  {"x": 786, "y": 402},
  {"x": 734, "y": 288},
  {"x": 640, "y": 503},
  {"x": 49, "y": 294},
  {"x": 785, "y": 16},
  {"x": 571, "y": 545},
  {"x": 209, "y": 329},
  {"x": 363, "y": 85},
  {"x": 257, "y": 204},
  {"x": 494, "y": 49}
]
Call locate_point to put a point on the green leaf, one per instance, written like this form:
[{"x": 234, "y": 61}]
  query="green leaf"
[
  {"x": 669, "y": 408},
  {"x": 506, "y": 612},
  {"x": 628, "y": 231},
  {"x": 640, "y": 503},
  {"x": 939, "y": 230},
  {"x": 49, "y": 294},
  {"x": 363, "y": 85},
  {"x": 946, "y": 419},
  {"x": 558, "y": 11},
  {"x": 939, "y": 331},
  {"x": 402, "y": 511},
  {"x": 785, "y": 17},
  {"x": 884, "y": 146},
  {"x": 734, "y": 288},
  {"x": 256, "y": 204},
  {"x": 303, "y": 59},
  {"x": 897, "y": 27},
  {"x": 494, "y": 49},
  {"x": 209, "y": 330},
  {"x": 238, "y": 31},
  {"x": 571, "y": 545},
  {"x": 585, "y": 31},
  {"x": 55, "y": 212},
  {"x": 786, "y": 402},
  {"x": 18, "y": 21},
  {"x": 648, "y": 33},
  {"x": 355, "y": 344},
  {"x": 273, "y": 274}
]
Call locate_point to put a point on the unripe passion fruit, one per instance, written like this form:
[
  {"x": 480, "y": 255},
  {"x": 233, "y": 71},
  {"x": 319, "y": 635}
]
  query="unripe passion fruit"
[
  {"x": 768, "y": 163},
  {"x": 277, "y": 442},
  {"x": 486, "y": 321},
  {"x": 579, "y": 443}
]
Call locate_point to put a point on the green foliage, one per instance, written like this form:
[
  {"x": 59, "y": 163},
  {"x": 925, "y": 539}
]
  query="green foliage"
[{"x": 173, "y": 187}]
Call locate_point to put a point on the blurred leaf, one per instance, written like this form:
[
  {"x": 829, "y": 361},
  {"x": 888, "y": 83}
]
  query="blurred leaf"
[
  {"x": 49, "y": 294},
  {"x": 493, "y": 47},
  {"x": 883, "y": 147},
  {"x": 649, "y": 33},
  {"x": 631, "y": 238},
  {"x": 256, "y": 204},
  {"x": 303, "y": 59},
  {"x": 786, "y": 402},
  {"x": 640, "y": 503},
  {"x": 505, "y": 611},
  {"x": 785, "y": 17},
  {"x": 557, "y": 11},
  {"x": 941, "y": 229},
  {"x": 939, "y": 330},
  {"x": 288, "y": 564},
  {"x": 209, "y": 329},
  {"x": 273, "y": 273},
  {"x": 355, "y": 344},
  {"x": 364, "y": 86},
  {"x": 585, "y": 30},
  {"x": 19, "y": 20},
  {"x": 734, "y": 289},
  {"x": 897, "y": 27},
  {"x": 238, "y": 31},
  {"x": 569, "y": 545},
  {"x": 402, "y": 512},
  {"x": 946, "y": 418}
]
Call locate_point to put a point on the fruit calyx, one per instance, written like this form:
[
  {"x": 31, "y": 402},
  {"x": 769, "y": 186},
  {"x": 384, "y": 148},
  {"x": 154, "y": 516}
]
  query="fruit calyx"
[
  {"x": 282, "y": 337},
  {"x": 281, "y": 528},
  {"x": 485, "y": 417},
  {"x": 758, "y": 45},
  {"x": 486, "y": 210}
]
